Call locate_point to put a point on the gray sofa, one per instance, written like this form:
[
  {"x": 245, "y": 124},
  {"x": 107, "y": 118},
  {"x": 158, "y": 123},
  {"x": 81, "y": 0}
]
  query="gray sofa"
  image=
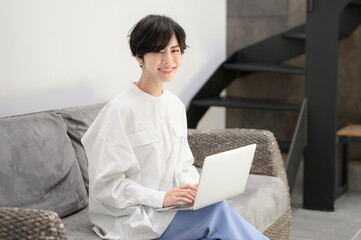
[{"x": 43, "y": 175}]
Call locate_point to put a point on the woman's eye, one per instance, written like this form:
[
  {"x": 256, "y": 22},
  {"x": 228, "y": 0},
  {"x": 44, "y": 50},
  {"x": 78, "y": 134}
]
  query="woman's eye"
[{"x": 176, "y": 50}]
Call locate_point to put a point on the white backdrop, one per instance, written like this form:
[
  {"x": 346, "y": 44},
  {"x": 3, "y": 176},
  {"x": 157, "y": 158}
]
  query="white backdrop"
[{"x": 57, "y": 54}]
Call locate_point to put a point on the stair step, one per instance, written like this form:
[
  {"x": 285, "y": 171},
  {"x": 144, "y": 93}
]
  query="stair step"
[
  {"x": 263, "y": 67},
  {"x": 295, "y": 35},
  {"x": 234, "y": 102}
]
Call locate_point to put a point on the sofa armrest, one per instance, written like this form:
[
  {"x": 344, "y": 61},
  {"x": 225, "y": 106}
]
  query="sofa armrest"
[
  {"x": 21, "y": 223},
  {"x": 267, "y": 160}
]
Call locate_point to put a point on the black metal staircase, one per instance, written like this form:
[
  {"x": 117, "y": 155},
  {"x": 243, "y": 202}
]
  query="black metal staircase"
[
  {"x": 268, "y": 56},
  {"x": 264, "y": 56}
]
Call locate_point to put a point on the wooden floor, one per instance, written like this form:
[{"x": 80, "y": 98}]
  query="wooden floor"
[{"x": 342, "y": 224}]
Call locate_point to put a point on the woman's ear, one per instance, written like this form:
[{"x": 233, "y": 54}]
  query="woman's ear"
[{"x": 140, "y": 60}]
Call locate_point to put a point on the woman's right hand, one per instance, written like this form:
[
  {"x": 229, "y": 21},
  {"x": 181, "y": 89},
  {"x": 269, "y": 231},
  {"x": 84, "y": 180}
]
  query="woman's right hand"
[{"x": 183, "y": 193}]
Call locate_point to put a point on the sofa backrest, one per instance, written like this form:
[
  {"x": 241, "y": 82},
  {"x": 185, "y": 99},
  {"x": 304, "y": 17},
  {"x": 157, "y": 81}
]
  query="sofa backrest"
[{"x": 38, "y": 165}]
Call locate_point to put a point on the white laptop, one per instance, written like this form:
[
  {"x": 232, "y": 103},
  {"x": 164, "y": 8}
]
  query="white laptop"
[{"x": 224, "y": 175}]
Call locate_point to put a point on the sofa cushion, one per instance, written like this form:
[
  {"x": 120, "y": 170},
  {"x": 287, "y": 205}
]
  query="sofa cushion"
[
  {"x": 38, "y": 167},
  {"x": 79, "y": 227},
  {"x": 78, "y": 120},
  {"x": 263, "y": 202}
]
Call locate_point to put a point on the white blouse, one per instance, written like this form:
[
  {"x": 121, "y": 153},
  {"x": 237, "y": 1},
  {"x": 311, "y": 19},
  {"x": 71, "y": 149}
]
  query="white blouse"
[{"x": 137, "y": 150}]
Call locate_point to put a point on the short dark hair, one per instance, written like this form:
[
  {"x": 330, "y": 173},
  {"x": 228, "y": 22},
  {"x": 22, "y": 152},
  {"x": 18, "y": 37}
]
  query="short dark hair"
[{"x": 153, "y": 33}]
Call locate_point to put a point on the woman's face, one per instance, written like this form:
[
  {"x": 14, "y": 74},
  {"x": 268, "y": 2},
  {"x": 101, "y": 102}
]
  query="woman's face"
[{"x": 162, "y": 65}]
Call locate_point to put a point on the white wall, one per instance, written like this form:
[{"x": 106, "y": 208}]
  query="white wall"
[{"x": 57, "y": 54}]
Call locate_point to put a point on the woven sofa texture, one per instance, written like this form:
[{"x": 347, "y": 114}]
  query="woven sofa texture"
[{"x": 50, "y": 141}]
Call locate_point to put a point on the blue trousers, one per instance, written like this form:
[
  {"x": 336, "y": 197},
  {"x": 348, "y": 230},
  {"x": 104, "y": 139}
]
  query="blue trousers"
[{"x": 217, "y": 221}]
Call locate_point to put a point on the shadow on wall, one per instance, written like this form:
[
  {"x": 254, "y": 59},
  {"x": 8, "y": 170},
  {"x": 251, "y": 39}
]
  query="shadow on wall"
[{"x": 48, "y": 99}]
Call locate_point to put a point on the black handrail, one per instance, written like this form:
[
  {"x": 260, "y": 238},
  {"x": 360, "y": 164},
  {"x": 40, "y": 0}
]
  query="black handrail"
[{"x": 298, "y": 143}]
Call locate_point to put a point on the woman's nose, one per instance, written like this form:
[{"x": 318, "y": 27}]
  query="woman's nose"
[{"x": 167, "y": 57}]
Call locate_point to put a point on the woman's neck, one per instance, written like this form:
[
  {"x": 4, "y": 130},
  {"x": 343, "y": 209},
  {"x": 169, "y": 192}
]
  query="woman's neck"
[{"x": 154, "y": 88}]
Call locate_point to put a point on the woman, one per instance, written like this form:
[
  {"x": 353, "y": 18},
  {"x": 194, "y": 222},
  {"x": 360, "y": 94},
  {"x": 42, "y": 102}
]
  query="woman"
[{"x": 138, "y": 154}]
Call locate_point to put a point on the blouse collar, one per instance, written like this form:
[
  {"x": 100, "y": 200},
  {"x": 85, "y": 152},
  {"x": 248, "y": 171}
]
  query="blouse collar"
[{"x": 145, "y": 95}]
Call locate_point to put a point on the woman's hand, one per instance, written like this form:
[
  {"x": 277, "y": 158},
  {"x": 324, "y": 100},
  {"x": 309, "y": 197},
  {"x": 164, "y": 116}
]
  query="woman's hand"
[{"x": 184, "y": 193}]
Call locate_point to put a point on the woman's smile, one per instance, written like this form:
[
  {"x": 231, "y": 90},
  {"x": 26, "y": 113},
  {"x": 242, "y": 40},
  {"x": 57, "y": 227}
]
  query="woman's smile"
[{"x": 166, "y": 70}]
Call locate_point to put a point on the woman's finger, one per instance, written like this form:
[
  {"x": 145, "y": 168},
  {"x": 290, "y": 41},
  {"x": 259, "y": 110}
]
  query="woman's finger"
[
  {"x": 188, "y": 191},
  {"x": 189, "y": 186},
  {"x": 186, "y": 194},
  {"x": 191, "y": 192},
  {"x": 186, "y": 200}
]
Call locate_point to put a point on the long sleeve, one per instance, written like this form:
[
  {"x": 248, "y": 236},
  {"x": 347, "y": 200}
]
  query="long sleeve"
[
  {"x": 111, "y": 163},
  {"x": 187, "y": 173}
]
